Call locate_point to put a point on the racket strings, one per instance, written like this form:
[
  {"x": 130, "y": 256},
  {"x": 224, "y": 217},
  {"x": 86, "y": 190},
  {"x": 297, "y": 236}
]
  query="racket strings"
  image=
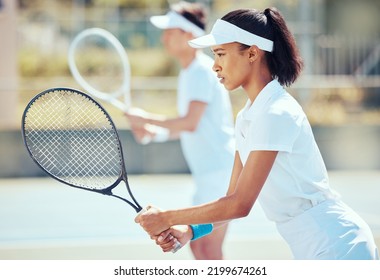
[{"x": 78, "y": 144}]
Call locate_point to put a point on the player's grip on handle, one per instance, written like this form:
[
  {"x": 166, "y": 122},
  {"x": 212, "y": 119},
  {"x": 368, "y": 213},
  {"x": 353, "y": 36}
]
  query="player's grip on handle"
[
  {"x": 177, "y": 245},
  {"x": 160, "y": 134}
]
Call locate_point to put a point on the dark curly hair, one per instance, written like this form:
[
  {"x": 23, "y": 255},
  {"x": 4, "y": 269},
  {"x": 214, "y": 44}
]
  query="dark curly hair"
[{"x": 193, "y": 12}]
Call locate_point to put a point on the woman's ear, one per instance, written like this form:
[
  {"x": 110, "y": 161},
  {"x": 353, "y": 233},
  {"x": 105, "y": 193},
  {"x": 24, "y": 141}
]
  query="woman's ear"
[
  {"x": 189, "y": 36},
  {"x": 253, "y": 53}
]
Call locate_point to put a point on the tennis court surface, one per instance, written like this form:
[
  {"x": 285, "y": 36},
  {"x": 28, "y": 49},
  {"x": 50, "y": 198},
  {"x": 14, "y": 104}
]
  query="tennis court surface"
[{"x": 43, "y": 219}]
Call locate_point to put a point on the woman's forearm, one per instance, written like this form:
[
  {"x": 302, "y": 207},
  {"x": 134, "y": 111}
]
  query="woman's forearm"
[
  {"x": 221, "y": 210},
  {"x": 244, "y": 190}
]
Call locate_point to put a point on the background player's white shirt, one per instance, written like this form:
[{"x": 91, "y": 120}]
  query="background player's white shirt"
[
  {"x": 211, "y": 146},
  {"x": 298, "y": 179}
]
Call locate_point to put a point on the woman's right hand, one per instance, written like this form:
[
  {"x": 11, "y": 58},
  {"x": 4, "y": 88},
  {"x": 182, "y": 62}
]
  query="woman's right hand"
[{"x": 167, "y": 239}]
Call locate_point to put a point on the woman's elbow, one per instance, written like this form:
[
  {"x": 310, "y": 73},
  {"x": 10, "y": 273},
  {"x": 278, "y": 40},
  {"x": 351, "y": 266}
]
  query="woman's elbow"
[
  {"x": 241, "y": 211},
  {"x": 192, "y": 127}
]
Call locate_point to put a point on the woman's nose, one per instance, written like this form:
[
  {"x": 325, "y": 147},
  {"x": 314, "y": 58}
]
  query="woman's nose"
[{"x": 215, "y": 67}]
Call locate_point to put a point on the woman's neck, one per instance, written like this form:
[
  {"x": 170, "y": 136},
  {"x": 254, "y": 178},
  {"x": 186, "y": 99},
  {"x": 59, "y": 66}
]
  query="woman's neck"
[
  {"x": 259, "y": 80},
  {"x": 186, "y": 58}
]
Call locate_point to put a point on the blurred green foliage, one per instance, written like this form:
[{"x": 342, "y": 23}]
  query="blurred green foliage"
[
  {"x": 128, "y": 21},
  {"x": 144, "y": 62},
  {"x": 135, "y": 4}
]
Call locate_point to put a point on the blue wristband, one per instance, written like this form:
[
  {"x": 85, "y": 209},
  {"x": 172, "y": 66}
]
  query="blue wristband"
[{"x": 201, "y": 230}]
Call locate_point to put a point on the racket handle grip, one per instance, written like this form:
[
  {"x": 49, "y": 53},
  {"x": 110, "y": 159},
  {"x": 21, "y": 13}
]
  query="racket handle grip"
[
  {"x": 177, "y": 246},
  {"x": 145, "y": 140}
]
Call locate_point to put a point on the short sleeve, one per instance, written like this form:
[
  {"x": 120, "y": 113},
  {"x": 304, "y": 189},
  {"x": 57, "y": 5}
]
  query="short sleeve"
[
  {"x": 200, "y": 85},
  {"x": 274, "y": 132}
]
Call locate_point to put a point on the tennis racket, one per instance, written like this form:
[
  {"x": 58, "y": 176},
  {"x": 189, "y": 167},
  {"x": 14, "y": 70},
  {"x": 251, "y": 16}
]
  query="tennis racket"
[
  {"x": 100, "y": 65},
  {"x": 71, "y": 137}
]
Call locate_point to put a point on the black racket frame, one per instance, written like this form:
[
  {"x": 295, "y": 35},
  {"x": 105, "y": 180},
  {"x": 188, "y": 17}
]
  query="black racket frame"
[{"x": 122, "y": 177}]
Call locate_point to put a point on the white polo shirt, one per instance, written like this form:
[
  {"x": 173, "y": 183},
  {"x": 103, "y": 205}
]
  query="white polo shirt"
[
  {"x": 210, "y": 148},
  {"x": 298, "y": 179}
]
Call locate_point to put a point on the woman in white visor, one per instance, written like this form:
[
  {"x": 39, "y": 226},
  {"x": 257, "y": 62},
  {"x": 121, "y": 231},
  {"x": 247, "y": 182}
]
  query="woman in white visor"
[{"x": 277, "y": 161}]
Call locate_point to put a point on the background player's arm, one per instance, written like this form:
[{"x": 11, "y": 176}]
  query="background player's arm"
[{"x": 188, "y": 122}]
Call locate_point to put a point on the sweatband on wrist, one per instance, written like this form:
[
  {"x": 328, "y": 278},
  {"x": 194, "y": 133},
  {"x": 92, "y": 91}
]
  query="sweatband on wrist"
[
  {"x": 161, "y": 134},
  {"x": 201, "y": 230}
]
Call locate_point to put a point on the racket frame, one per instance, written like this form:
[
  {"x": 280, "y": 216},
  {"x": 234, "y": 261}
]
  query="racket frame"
[
  {"x": 125, "y": 88},
  {"x": 106, "y": 191}
]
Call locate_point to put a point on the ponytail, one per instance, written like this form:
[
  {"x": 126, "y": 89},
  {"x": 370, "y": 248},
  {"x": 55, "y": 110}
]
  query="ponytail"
[{"x": 285, "y": 62}]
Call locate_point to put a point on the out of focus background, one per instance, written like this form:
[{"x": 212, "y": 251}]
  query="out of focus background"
[
  {"x": 339, "y": 88},
  {"x": 339, "y": 91}
]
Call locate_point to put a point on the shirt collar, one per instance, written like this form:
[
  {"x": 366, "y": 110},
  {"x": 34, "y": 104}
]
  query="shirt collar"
[{"x": 269, "y": 91}]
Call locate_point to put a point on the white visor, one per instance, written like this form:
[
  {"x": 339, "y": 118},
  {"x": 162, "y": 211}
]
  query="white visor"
[
  {"x": 175, "y": 20},
  {"x": 224, "y": 32}
]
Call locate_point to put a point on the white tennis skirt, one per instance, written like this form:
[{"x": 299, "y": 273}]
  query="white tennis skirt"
[{"x": 329, "y": 231}]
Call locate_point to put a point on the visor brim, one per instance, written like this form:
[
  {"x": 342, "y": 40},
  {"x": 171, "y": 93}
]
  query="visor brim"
[
  {"x": 208, "y": 40},
  {"x": 161, "y": 22}
]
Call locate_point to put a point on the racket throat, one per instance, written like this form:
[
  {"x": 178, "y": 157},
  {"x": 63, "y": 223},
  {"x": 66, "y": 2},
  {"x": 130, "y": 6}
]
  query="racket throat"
[{"x": 135, "y": 206}]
